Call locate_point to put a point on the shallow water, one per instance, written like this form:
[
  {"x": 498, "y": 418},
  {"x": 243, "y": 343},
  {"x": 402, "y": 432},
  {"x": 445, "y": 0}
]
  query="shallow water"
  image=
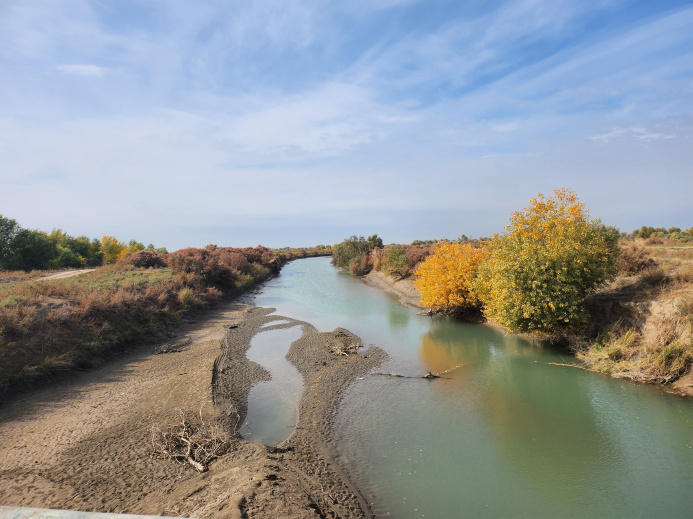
[
  {"x": 273, "y": 405},
  {"x": 506, "y": 434}
]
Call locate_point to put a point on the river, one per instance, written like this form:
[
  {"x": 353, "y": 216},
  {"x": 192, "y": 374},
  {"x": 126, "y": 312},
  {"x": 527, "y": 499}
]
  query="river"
[{"x": 505, "y": 433}]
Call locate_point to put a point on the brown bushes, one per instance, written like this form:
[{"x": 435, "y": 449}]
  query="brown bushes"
[
  {"x": 633, "y": 260},
  {"x": 226, "y": 266},
  {"x": 144, "y": 259}
]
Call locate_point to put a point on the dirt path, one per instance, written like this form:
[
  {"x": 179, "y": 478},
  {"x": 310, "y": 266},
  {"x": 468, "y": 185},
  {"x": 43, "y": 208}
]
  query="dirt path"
[
  {"x": 85, "y": 444},
  {"x": 67, "y": 274}
]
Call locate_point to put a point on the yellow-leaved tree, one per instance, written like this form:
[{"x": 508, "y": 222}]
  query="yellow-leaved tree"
[
  {"x": 444, "y": 278},
  {"x": 112, "y": 249},
  {"x": 540, "y": 271}
]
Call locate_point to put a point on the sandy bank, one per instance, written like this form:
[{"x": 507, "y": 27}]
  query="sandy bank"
[
  {"x": 404, "y": 289},
  {"x": 85, "y": 444}
]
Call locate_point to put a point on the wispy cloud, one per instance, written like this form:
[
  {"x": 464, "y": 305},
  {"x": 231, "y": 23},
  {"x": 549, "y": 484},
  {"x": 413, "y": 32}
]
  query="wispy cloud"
[
  {"x": 399, "y": 110},
  {"x": 83, "y": 70},
  {"x": 636, "y": 133}
]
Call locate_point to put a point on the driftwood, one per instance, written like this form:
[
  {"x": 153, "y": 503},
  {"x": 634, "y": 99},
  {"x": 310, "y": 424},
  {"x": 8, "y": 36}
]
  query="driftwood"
[
  {"x": 345, "y": 349},
  {"x": 429, "y": 375},
  {"x": 572, "y": 366},
  {"x": 192, "y": 441}
]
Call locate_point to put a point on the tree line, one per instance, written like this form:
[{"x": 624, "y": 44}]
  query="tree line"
[
  {"x": 31, "y": 249},
  {"x": 532, "y": 278}
]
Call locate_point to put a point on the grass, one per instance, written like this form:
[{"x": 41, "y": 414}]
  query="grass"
[
  {"x": 47, "y": 326},
  {"x": 657, "y": 346}
]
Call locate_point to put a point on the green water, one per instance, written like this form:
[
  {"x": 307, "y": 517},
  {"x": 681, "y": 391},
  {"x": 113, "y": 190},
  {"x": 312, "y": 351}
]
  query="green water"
[
  {"x": 273, "y": 404},
  {"x": 506, "y": 434}
]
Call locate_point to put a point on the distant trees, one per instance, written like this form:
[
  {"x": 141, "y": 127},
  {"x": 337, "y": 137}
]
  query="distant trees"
[
  {"x": 353, "y": 252},
  {"x": 26, "y": 249},
  {"x": 654, "y": 235}
]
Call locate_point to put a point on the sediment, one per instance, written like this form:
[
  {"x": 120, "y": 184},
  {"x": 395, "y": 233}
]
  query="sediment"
[{"x": 85, "y": 443}]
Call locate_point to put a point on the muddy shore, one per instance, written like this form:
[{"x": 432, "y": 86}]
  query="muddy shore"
[{"x": 85, "y": 444}]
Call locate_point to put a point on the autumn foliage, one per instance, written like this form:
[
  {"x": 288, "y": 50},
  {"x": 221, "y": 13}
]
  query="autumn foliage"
[
  {"x": 445, "y": 278},
  {"x": 540, "y": 271}
]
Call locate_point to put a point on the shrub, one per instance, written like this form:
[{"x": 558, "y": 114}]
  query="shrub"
[
  {"x": 416, "y": 254},
  {"x": 144, "y": 259},
  {"x": 445, "y": 277},
  {"x": 376, "y": 258},
  {"x": 353, "y": 250},
  {"x": 361, "y": 267},
  {"x": 543, "y": 267},
  {"x": 633, "y": 260},
  {"x": 66, "y": 259},
  {"x": 396, "y": 261},
  {"x": 654, "y": 276}
]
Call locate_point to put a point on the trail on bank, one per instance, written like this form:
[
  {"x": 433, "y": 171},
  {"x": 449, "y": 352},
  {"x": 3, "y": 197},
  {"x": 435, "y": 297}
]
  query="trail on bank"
[{"x": 84, "y": 444}]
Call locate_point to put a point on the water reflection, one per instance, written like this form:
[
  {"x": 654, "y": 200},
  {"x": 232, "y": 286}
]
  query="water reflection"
[
  {"x": 505, "y": 435},
  {"x": 398, "y": 317}
]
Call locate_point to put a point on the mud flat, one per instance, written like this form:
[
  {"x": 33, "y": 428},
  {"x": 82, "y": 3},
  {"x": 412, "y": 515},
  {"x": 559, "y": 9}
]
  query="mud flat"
[{"x": 85, "y": 444}]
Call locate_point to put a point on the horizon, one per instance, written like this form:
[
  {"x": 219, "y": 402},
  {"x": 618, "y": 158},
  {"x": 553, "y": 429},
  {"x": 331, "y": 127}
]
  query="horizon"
[{"x": 305, "y": 123}]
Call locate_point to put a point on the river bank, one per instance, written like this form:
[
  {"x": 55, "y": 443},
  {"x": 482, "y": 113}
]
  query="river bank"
[
  {"x": 644, "y": 309},
  {"x": 85, "y": 444}
]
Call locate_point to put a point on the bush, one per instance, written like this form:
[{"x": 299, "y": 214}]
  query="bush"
[
  {"x": 445, "y": 278},
  {"x": 416, "y": 254},
  {"x": 396, "y": 261},
  {"x": 541, "y": 270},
  {"x": 361, "y": 267},
  {"x": 144, "y": 259},
  {"x": 353, "y": 250},
  {"x": 633, "y": 260}
]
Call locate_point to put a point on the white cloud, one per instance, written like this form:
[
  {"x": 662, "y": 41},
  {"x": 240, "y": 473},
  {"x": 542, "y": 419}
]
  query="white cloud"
[
  {"x": 638, "y": 133},
  {"x": 83, "y": 70}
]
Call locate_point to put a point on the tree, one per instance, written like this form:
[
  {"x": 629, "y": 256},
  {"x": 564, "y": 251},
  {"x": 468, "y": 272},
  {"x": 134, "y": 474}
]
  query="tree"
[
  {"x": 31, "y": 250},
  {"x": 396, "y": 261},
  {"x": 540, "y": 271},
  {"x": 374, "y": 241},
  {"x": 112, "y": 249},
  {"x": 8, "y": 233},
  {"x": 353, "y": 250},
  {"x": 444, "y": 279}
]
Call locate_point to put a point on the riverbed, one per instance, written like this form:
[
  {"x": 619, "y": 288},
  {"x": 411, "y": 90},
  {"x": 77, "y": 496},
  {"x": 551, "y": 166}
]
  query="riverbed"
[{"x": 505, "y": 433}]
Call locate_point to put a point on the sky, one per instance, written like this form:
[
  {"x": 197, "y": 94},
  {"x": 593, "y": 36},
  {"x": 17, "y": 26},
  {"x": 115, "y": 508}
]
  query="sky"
[{"x": 298, "y": 123}]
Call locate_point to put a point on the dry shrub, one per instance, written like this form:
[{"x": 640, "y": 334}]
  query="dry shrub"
[
  {"x": 653, "y": 276},
  {"x": 416, "y": 254},
  {"x": 361, "y": 267},
  {"x": 663, "y": 358},
  {"x": 633, "y": 260},
  {"x": 376, "y": 258},
  {"x": 144, "y": 259},
  {"x": 192, "y": 440},
  {"x": 685, "y": 273}
]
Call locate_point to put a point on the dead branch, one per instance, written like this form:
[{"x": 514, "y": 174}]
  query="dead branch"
[
  {"x": 348, "y": 349},
  {"x": 572, "y": 366},
  {"x": 429, "y": 375},
  {"x": 192, "y": 441}
]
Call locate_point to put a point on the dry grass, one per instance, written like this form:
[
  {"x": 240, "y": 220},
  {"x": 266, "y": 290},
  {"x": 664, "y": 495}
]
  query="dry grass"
[
  {"x": 657, "y": 347},
  {"x": 55, "y": 325}
]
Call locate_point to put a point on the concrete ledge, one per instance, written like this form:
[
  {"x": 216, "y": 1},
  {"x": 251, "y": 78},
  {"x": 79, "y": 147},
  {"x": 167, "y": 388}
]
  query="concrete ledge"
[{"x": 16, "y": 512}]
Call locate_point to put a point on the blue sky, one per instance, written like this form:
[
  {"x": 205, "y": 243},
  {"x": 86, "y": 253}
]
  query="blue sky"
[{"x": 291, "y": 123}]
